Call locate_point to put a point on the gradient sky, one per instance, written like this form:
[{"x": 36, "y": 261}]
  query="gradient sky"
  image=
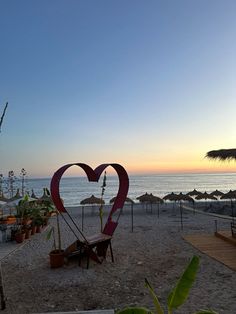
[{"x": 149, "y": 84}]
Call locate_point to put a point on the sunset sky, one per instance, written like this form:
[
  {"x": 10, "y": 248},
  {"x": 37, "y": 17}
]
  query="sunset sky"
[{"x": 148, "y": 84}]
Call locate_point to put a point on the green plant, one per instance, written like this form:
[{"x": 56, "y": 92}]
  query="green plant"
[
  {"x": 24, "y": 208},
  {"x": 176, "y": 297},
  {"x": 23, "y": 212}
]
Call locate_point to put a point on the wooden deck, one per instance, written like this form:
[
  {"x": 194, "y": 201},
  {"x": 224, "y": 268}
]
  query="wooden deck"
[{"x": 216, "y": 247}]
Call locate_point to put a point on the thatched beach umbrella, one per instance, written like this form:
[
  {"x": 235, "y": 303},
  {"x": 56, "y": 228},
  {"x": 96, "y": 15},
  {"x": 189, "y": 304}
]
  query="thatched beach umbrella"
[
  {"x": 127, "y": 200},
  {"x": 33, "y": 194},
  {"x": 46, "y": 196},
  {"x": 205, "y": 196},
  {"x": 170, "y": 197},
  {"x": 149, "y": 199},
  {"x": 217, "y": 193},
  {"x": 143, "y": 197},
  {"x": 130, "y": 201},
  {"x": 183, "y": 198},
  {"x": 194, "y": 193},
  {"x": 156, "y": 200},
  {"x": 231, "y": 195},
  {"x": 92, "y": 200},
  {"x": 222, "y": 154}
]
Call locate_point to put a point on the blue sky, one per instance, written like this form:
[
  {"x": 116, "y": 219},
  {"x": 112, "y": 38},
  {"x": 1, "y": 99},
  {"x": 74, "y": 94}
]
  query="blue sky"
[{"x": 148, "y": 84}]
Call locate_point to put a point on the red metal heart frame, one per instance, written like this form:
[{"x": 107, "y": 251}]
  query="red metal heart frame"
[{"x": 93, "y": 176}]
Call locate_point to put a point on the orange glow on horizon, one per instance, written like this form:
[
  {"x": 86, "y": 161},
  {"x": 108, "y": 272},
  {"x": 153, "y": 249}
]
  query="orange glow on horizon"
[{"x": 166, "y": 168}]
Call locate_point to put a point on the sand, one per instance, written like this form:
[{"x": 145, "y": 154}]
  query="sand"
[{"x": 155, "y": 250}]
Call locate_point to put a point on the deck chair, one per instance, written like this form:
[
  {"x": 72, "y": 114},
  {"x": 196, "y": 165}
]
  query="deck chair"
[{"x": 94, "y": 247}]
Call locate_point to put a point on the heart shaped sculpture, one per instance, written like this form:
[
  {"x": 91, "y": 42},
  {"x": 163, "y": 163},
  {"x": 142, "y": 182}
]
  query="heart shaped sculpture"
[{"x": 93, "y": 176}]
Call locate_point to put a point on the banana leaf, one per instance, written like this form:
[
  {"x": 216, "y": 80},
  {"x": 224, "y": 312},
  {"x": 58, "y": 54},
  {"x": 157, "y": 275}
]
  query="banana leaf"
[
  {"x": 180, "y": 293},
  {"x": 135, "y": 310},
  {"x": 154, "y": 297},
  {"x": 206, "y": 312}
]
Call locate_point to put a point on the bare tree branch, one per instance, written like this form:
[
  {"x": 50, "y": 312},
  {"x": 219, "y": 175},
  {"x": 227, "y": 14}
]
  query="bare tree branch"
[{"x": 3, "y": 114}]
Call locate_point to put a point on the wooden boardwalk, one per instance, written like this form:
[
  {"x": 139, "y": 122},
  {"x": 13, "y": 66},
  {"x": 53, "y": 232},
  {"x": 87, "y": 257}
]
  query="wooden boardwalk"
[{"x": 215, "y": 247}]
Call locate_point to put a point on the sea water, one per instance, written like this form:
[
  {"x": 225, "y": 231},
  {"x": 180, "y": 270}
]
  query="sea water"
[{"x": 74, "y": 190}]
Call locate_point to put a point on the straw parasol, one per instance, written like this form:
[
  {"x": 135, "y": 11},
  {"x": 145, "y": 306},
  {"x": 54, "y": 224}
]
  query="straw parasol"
[
  {"x": 182, "y": 198},
  {"x": 206, "y": 196},
  {"x": 143, "y": 198},
  {"x": 194, "y": 193},
  {"x": 33, "y": 194},
  {"x": 217, "y": 193},
  {"x": 222, "y": 154},
  {"x": 170, "y": 197},
  {"x": 46, "y": 196},
  {"x": 157, "y": 200},
  {"x": 127, "y": 200},
  {"x": 92, "y": 200},
  {"x": 231, "y": 195},
  {"x": 150, "y": 199}
]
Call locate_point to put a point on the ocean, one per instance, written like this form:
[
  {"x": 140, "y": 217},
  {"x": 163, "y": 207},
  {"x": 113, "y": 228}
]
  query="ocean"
[{"x": 75, "y": 189}]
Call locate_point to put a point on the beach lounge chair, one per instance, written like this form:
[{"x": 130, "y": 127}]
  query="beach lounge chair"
[{"x": 94, "y": 247}]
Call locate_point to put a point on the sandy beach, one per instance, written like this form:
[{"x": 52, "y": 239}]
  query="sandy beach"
[{"x": 155, "y": 250}]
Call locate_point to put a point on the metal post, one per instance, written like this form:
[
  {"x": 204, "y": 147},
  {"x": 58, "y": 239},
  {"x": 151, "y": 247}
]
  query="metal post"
[
  {"x": 216, "y": 226},
  {"x": 3, "y": 301},
  {"x": 132, "y": 218},
  {"x": 181, "y": 216},
  {"x": 82, "y": 218}
]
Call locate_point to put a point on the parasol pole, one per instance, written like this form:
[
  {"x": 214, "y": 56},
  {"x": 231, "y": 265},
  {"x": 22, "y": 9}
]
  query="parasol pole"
[
  {"x": 132, "y": 217},
  {"x": 82, "y": 218},
  {"x": 181, "y": 215}
]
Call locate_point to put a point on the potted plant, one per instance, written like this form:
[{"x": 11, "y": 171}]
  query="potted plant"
[
  {"x": 18, "y": 233},
  {"x": 27, "y": 230},
  {"x": 24, "y": 211},
  {"x": 37, "y": 219},
  {"x": 56, "y": 255},
  {"x": 22, "y": 216}
]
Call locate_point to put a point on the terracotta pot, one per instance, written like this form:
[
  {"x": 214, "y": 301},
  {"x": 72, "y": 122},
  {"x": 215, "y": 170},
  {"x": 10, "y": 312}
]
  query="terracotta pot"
[
  {"x": 33, "y": 230},
  {"x": 45, "y": 223},
  {"x": 27, "y": 233},
  {"x": 38, "y": 229},
  {"x": 19, "y": 237},
  {"x": 56, "y": 258}
]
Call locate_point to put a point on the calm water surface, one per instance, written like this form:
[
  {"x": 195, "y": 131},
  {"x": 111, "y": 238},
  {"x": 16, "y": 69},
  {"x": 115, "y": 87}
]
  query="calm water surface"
[{"x": 73, "y": 190}]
